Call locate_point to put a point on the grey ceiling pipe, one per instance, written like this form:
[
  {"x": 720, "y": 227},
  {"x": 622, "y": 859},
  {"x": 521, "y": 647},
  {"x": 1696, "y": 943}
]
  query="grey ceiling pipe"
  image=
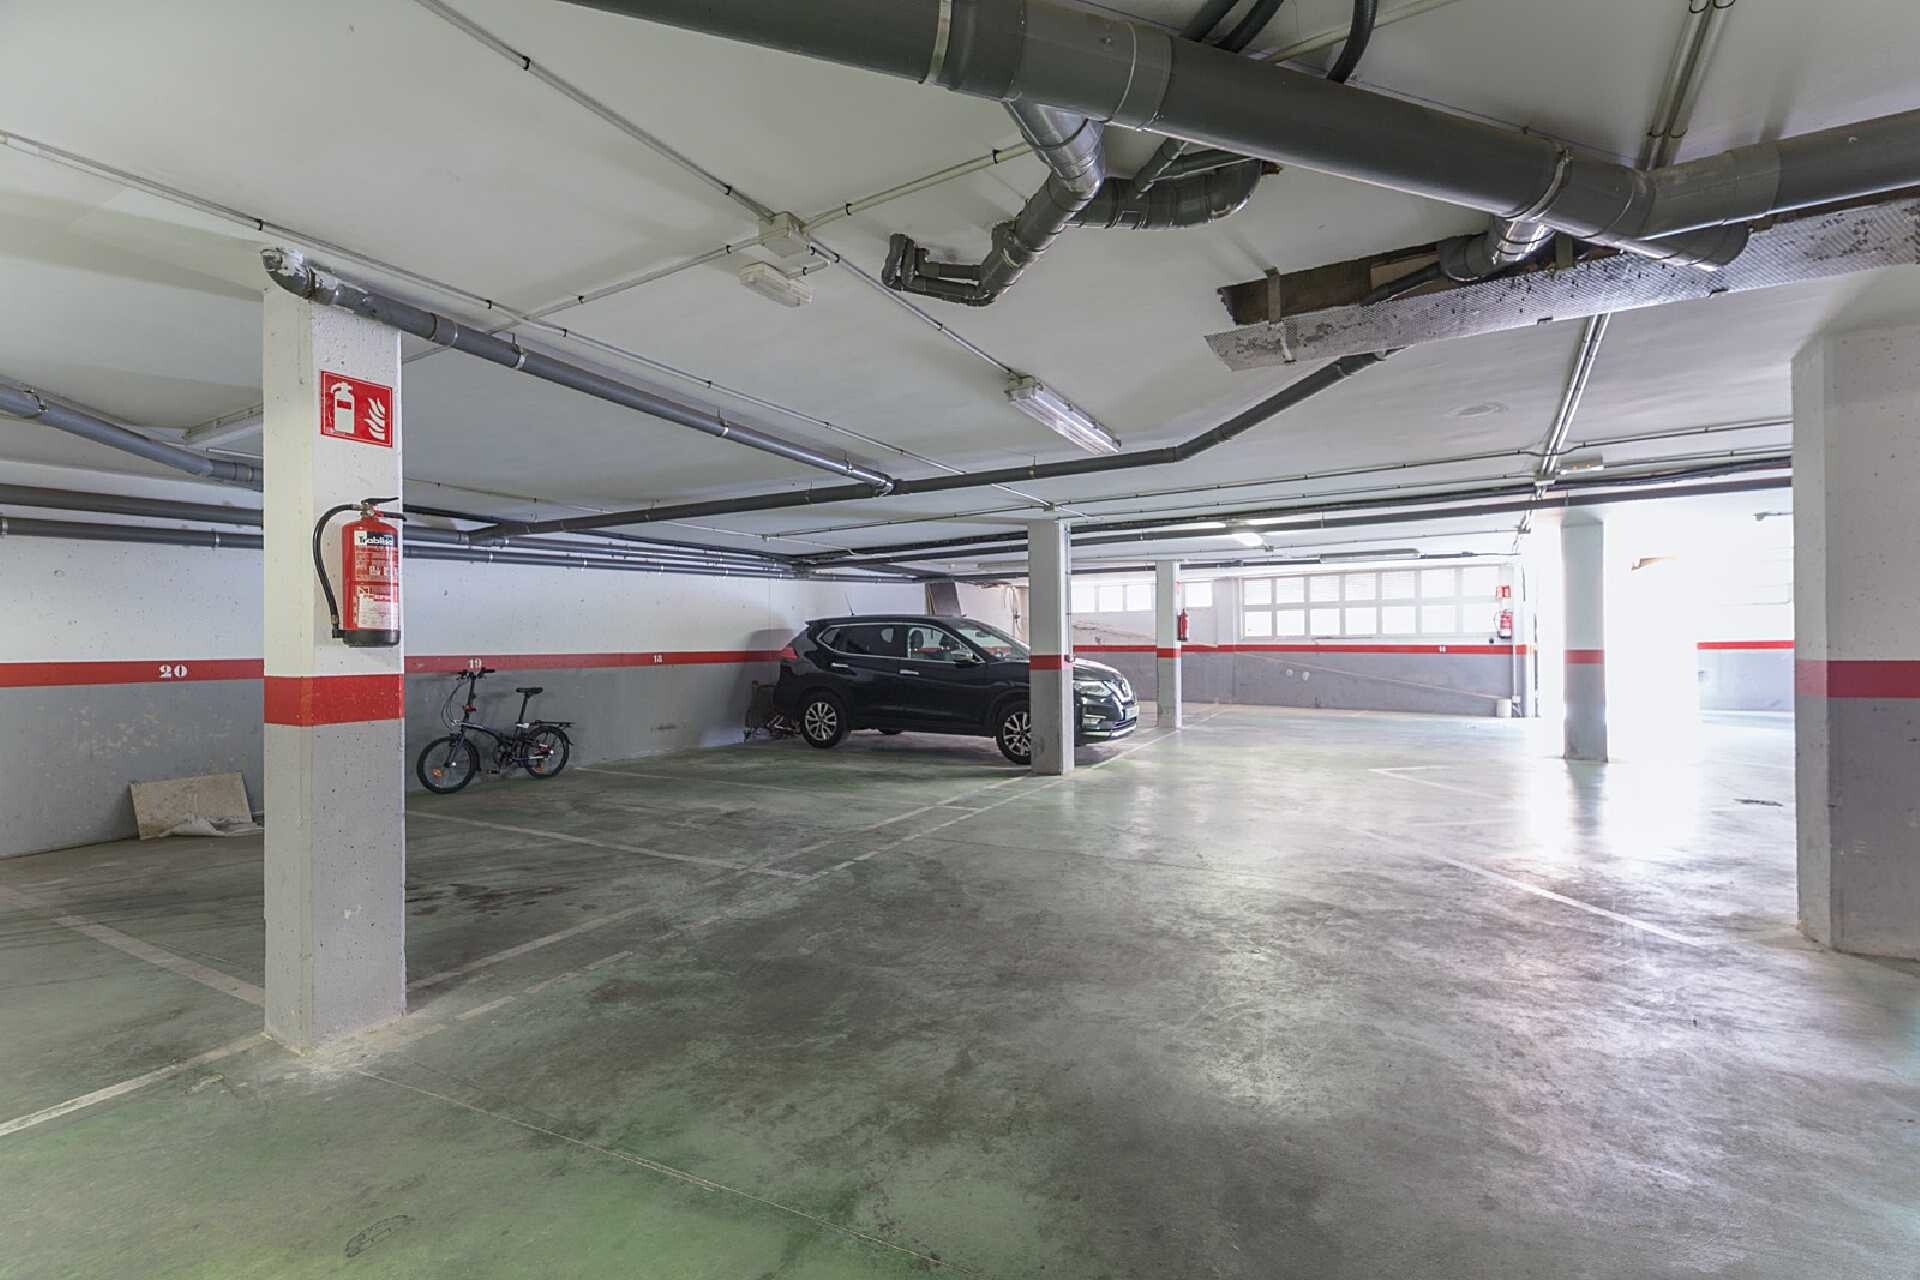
[
  {"x": 25, "y": 404},
  {"x": 289, "y": 269},
  {"x": 1183, "y": 524},
  {"x": 1295, "y": 393},
  {"x": 88, "y": 531},
  {"x": 1111, "y": 69},
  {"x": 1071, "y": 147},
  {"x": 1504, "y": 244},
  {"x": 114, "y": 504},
  {"x": 1188, "y": 196},
  {"x": 617, "y": 545},
  {"x": 1344, "y": 513}
]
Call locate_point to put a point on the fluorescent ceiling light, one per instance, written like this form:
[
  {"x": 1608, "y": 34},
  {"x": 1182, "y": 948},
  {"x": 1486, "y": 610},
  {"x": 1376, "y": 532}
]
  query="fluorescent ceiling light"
[
  {"x": 1574, "y": 464},
  {"x": 770, "y": 282},
  {"x": 1247, "y": 538},
  {"x": 1060, "y": 415}
]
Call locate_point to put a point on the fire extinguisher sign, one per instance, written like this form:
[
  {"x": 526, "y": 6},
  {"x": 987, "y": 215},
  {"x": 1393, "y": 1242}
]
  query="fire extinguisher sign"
[{"x": 351, "y": 409}]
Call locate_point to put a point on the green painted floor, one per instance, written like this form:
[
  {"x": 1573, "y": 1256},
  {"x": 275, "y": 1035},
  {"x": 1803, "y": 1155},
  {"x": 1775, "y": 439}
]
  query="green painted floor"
[{"x": 1285, "y": 994}]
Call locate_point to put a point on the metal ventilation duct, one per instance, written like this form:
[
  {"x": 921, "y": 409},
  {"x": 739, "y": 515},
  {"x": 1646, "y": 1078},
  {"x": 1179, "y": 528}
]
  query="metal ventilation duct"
[
  {"x": 1108, "y": 68},
  {"x": 1797, "y": 250}
]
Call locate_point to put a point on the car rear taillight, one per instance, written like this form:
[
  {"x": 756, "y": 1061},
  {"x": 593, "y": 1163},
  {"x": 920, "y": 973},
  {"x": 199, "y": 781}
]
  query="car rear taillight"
[{"x": 788, "y": 655}]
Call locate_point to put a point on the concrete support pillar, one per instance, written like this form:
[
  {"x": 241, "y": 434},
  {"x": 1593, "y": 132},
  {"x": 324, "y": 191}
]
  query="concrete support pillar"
[
  {"x": 1583, "y": 553},
  {"x": 1050, "y": 626},
  {"x": 1166, "y": 641},
  {"x": 335, "y": 755},
  {"x": 1856, "y": 466}
]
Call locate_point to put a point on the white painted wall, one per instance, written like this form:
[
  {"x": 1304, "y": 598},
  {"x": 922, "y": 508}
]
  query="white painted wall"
[
  {"x": 99, "y": 601},
  {"x": 76, "y": 746}
]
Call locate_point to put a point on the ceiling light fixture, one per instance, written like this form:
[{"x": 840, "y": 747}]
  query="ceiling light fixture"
[
  {"x": 772, "y": 283},
  {"x": 1574, "y": 464},
  {"x": 1060, "y": 415},
  {"x": 1247, "y": 538}
]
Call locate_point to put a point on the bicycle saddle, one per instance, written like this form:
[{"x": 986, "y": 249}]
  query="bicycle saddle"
[{"x": 531, "y": 689}]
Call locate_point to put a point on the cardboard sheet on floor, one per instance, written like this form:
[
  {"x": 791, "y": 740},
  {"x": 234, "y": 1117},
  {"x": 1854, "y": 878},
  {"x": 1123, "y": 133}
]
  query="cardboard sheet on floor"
[{"x": 213, "y": 804}]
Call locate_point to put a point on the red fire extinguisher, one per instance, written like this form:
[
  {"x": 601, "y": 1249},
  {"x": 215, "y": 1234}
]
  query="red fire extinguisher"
[
  {"x": 1180, "y": 626},
  {"x": 369, "y": 575}
]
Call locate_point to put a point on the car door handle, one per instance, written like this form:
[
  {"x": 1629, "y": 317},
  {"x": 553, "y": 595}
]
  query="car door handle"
[
  {"x": 905, "y": 671},
  {"x": 839, "y": 666}
]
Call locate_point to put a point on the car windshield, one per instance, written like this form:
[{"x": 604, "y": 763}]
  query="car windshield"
[{"x": 995, "y": 644}]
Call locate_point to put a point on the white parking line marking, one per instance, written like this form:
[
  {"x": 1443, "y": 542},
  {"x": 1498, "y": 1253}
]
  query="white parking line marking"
[
  {"x": 565, "y": 838},
  {"x": 733, "y": 782},
  {"x": 1575, "y": 903},
  {"x": 534, "y": 944},
  {"x": 159, "y": 957},
  {"x": 669, "y": 1171},
  {"x": 125, "y": 1087},
  {"x": 1401, "y": 775}
]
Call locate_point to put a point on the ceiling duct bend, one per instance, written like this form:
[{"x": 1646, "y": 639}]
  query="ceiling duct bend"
[
  {"x": 1077, "y": 192},
  {"x": 1129, "y": 73},
  {"x": 289, "y": 269},
  {"x": 25, "y": 404}
]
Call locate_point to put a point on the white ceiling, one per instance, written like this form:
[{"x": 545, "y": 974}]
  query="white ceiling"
[{"x": 379, "y": 127}]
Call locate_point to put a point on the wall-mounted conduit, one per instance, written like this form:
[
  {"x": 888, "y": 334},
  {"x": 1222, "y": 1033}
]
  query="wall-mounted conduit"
[{"x": 289, "y": 269}]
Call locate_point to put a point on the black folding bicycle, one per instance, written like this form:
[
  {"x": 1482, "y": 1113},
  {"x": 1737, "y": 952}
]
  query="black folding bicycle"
[{"x": 541, "y": 747}]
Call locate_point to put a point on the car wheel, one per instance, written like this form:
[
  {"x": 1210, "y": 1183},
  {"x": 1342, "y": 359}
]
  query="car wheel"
[
  {"x": 823, "y": 720},
  {"x": 1014, "y": 736}
]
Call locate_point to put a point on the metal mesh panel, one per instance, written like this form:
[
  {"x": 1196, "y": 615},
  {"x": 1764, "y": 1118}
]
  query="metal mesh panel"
[{"x": 1803, "y": 249}]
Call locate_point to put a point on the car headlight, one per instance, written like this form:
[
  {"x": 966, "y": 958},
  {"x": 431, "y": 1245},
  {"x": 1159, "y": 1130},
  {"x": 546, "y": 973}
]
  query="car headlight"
[{"x": 1097, "y": 688}]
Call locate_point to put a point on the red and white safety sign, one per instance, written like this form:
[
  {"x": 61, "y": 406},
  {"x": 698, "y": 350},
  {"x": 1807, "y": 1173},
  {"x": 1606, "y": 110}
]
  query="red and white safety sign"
[{"x": 351, "y": 409}]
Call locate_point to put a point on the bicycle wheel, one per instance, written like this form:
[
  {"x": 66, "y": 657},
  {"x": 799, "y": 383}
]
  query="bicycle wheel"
[
  {"x": 547, "y": 752},
  {"x": 447, "y": 764}
]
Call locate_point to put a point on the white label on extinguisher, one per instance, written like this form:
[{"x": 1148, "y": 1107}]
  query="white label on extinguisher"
[{"x": 376, "y": 610}]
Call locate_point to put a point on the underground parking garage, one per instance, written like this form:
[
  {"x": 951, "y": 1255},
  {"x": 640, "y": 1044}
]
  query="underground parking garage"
[{"x": 994, "y": 637}]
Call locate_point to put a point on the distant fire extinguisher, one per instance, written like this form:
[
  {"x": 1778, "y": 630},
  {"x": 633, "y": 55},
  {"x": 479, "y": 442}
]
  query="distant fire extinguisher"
[
  {"x": 1506, "y": 624},
  {"x": 1180, "y": 626},
  {"x": 369, "y": 575}
]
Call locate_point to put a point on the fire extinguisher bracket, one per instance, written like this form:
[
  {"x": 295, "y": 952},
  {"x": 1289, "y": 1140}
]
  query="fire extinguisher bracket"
[{"x": 369, "y": 572}]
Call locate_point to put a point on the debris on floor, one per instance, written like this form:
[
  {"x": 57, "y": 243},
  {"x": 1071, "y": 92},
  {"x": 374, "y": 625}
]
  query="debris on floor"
[{"x": 213, "y": 804}]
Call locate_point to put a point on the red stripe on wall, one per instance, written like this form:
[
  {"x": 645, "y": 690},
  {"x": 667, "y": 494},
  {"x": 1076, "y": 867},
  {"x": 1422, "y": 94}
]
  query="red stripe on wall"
[
  {"x": 28, "y": 675},
  {"x": 1586, "y": 657},
  {"x": 1864, "y": 678},
  {"x": 20, "y": 675},
  {"x": 433, "y": 663},
  {"x": 1466, "y": 648},
  {"x": 306, "y": 701},
  {"x": 1743, "y": 645},
  {"x": 1050, "y": 661},
  {"x": 1166, "y": 653}
]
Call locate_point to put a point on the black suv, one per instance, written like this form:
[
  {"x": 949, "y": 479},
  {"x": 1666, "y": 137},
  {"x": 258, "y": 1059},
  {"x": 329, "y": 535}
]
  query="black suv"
[{"x": 933, "y": 675}]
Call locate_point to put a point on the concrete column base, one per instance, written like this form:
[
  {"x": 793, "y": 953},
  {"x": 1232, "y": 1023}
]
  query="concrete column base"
[
  {"x": 1586, "y": 696},
  {"x": 1858, "y": 861},
  {"x": 335, "y": 879},
  {"x": 1167, "y": 692},
  {"x": 1053, "y": 718}
]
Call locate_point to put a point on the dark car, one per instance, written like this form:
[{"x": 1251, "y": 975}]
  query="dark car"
[{"x": 933, "y": 675}]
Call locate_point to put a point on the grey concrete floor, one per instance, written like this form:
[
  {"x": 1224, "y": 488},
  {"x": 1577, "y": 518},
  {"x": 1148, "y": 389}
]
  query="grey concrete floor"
[{"x": 1285, "y": 994}]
